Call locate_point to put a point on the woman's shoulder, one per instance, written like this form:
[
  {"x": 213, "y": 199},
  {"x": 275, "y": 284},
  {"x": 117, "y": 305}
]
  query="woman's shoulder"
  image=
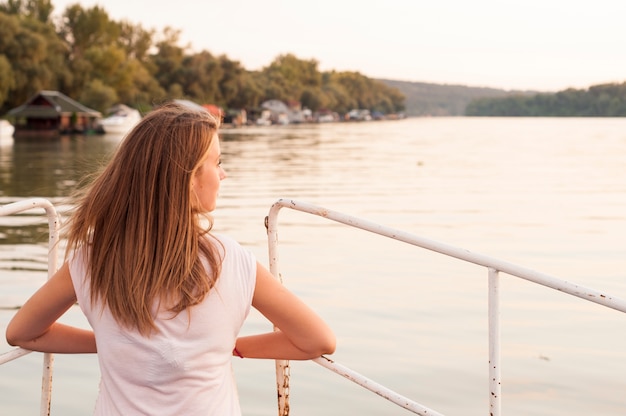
[
  {"x": 77, "y": 259},
  {"x": 229, "y": 246},
  {"x": 236, "y": 259},
  {"x": 226, "y": 241}
]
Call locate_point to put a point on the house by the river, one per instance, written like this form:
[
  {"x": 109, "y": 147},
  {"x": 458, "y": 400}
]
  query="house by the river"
[{"x": 51, "y": 114}]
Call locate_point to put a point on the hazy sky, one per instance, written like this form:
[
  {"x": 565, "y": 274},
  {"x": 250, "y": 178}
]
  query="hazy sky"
[{"x": 545, "y": 45}]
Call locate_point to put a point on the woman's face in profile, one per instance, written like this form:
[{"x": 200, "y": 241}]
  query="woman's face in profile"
[{"x": 206, "y": 182}]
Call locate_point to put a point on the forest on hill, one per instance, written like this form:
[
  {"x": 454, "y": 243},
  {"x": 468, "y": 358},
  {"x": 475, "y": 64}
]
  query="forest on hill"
[
  {"x": 422, "y": 99},
  {"x": 604, "y": 100},
  {"x": 99, "y": 62}
]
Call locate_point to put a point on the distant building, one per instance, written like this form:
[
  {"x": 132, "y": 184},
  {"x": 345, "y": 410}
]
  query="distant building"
[
  {"x": 275, "y": 106},
  {"x": 273, "y": 112},
  {"x": 358, "y": 115},
  {"x": 281, "y": 113},
  {"x": 50, "y": 114}
]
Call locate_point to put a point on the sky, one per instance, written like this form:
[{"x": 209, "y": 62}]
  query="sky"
[{"x": 538, "y": 45}]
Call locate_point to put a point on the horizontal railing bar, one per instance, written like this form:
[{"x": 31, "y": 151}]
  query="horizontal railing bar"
[
  {"x": 25, "y": 205},
  {"x": 375, "y": 387},
  {"x": 573, "y": 289},
  {"x": 14, "y": 354}
]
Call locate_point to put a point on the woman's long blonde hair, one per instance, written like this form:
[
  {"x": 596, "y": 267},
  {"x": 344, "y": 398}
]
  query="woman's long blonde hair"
[{"x": 139, "y": 220}]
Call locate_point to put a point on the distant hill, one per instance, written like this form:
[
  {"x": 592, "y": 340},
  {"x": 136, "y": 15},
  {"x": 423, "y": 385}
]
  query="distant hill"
[
  {"x": 602, "y": 100},
  {"x": 423, "y": 99}
]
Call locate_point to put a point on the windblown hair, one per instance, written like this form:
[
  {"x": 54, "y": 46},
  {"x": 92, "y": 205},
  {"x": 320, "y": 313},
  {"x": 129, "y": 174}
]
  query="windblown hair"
[{"x": 141, "y": 223}]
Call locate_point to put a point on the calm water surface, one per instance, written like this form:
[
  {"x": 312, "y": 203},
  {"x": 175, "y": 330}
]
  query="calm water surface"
[{"x": 549, "y": 194}]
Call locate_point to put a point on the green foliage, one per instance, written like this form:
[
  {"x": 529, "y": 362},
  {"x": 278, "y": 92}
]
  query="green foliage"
[
  {"x": 6, "y": 78},
  {"x": 35, "y": 55},
  {"x": 288, "y": 77},
  {"x": 98, "y": 96},
  {"x": 606, "y": 100},
  {"x": 88, "y": 28},
  {"x": 40, "y": 10},
  {"x": 89, "y": 56}
]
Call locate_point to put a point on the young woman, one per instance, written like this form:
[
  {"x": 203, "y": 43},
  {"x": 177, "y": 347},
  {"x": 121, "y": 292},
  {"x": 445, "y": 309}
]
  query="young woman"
[{"x": 165, "y": 298}]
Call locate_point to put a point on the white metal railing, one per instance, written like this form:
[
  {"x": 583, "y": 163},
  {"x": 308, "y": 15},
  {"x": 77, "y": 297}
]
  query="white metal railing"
[
  {"x": 53, "y": 236},
  {"x": 494, "y": 267}
]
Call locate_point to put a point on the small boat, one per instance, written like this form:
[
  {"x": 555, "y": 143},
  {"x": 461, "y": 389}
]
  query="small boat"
[
  {"x": 120, "y": 120},
  {"x": 6, "y": 130}
]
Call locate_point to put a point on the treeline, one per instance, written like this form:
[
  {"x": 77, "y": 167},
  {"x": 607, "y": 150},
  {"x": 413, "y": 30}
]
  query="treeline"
[
  {"x": 86, "y": 55},
  {"x": 606, "y": 100}
]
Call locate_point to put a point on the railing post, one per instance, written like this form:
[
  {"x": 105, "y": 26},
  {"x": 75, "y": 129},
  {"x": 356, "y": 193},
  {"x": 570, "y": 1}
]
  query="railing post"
[
  {"x": 53, "y": 239},
  {"x": 48, "y": 359},
  {"x": 282, "y": 366},
  {"x": 495, "y": 382}
]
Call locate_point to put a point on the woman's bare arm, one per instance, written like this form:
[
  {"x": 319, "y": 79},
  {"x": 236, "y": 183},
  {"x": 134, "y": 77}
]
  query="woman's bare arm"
[
  {"x": 302, "y": 334},
  {"x": 34, "y": 326}
]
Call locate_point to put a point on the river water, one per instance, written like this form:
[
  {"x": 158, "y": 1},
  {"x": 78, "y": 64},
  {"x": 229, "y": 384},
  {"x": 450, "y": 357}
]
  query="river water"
[{"x": 544, "y": 193}]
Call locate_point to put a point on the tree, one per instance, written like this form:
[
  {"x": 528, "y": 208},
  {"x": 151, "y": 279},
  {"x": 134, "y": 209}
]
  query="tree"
[
  {"x": 40, "y": 10},
  {"x": 85, "y": 32},
  {"x": 98, "y": 96},
  {"x": 88, "y": 28},
  {"x": 135, "y": 40},
  {"x": 34, "y": 53},
  {"x": 336, "y": 96},
  {"x": 200, "y": 75},
  {"x": 312, "y": 98},
  {"x": 236, "y": 87},
  {"x": 135, "y": 86},
  {"x": 288, "y": 76},
  {"x": 168, "y": 59},
  {"x": 7, "y": 81},
  {"x": 105, "y": 62}
]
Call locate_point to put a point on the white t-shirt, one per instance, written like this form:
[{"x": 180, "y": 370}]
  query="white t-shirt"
[{"x": 185, "y": 368}]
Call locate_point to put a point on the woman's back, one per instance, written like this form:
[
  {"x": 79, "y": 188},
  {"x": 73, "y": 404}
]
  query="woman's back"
[{"x": 184, "y": 367}]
